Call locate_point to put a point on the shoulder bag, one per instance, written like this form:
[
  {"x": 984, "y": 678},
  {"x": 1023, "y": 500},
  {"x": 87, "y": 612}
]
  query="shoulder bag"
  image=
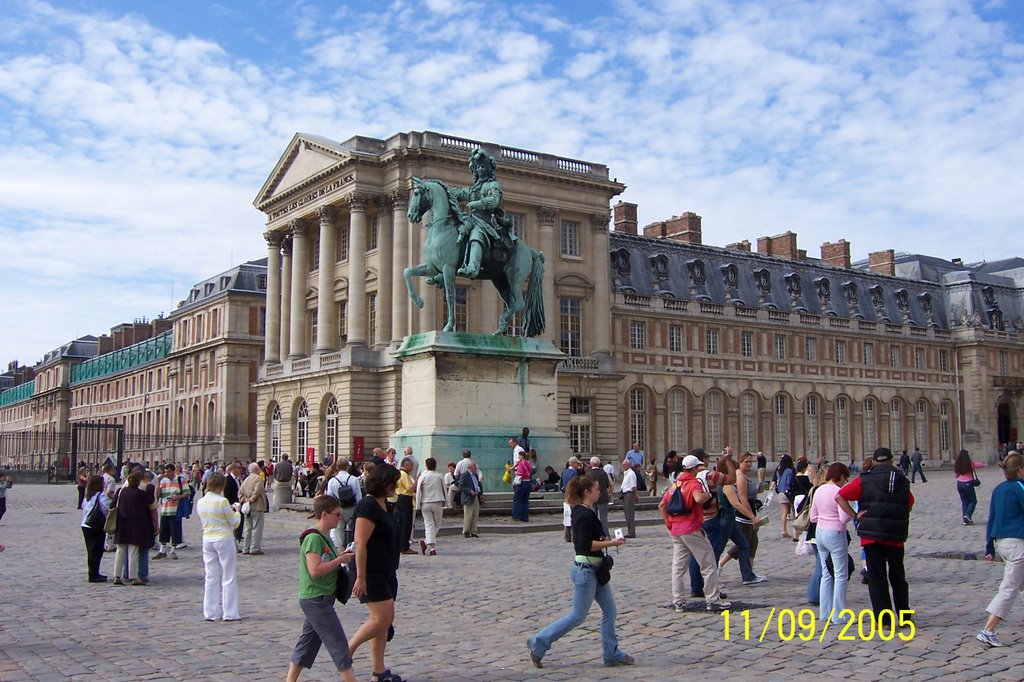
[
  {"x": 95, "y": 519},
  {"x": 976, "y": 482},
  {"x": 110, "y": 524},
  {"x": 343, "y": 589}
]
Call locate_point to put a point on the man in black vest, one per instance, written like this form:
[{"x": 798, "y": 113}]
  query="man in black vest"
[{"x": 884, "y": 503}]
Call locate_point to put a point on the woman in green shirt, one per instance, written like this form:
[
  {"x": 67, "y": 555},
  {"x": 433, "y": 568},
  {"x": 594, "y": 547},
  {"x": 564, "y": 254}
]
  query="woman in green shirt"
[{"x": 318, "y": 578}]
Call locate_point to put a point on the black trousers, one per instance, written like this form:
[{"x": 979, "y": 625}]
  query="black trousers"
[
  {"x": 403, "y": 510},
  {"x": 94, "y": 550},
  {"x": 885, "y": 568},
  {"x": 81, "y": 495}
]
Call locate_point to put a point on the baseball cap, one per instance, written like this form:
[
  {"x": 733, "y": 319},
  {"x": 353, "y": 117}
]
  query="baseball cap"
[
  {"x": 691, "y": 462},
  {"x": 882, "y": 454}
]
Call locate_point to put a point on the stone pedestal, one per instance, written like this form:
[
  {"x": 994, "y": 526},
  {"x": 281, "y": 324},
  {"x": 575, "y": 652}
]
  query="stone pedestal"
[{"x": 474, "y": 391}]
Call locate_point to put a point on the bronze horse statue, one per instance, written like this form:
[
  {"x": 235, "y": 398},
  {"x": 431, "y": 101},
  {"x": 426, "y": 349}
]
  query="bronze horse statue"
[{"x": 444, "y": 252}]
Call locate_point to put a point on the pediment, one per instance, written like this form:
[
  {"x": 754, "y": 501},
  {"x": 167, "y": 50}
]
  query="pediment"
[
  {"x": 305, "y": 157},
  {"x": 573, "y": 279}
]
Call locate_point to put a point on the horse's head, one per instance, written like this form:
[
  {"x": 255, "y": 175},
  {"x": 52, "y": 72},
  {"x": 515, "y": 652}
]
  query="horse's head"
[{"x": 419, "y": 201}]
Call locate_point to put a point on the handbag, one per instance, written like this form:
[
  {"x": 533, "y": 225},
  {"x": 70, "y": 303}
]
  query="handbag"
[
  {"x": 246, "y": 508},
  {"x": 977, "y": 481},
  {"x": 604, "y": 571},
  {"x": 110, "y": 524},
  {"x": 95, "y": 519},
  {"x": 805, "y": 547},
  {"x": 803, "y": 519}
]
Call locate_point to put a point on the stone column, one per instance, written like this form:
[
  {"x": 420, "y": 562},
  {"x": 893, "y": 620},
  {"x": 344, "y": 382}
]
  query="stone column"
[
  {"x": 547, "y": 219},
  {"x": 400, "y": 260},
  {"x": 385, "y": 239},
  {"x": 357, "y": 270},
  {"x": 286, "y": 295},
  {"x": 326, "y": 311},
  {"x": 300, "y": 269},
  {"x": 272, "y": 339},
  {"x": 602, "y": 299}
]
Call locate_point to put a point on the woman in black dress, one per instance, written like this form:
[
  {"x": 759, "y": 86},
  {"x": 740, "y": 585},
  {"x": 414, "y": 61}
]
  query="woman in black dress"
[
  {"x": 377, "y": 556},
  {"x": 134, "y": 532}
]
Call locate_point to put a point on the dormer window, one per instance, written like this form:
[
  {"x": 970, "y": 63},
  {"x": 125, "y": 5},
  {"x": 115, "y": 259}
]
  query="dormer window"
[
  {"x": 224, "y": 282},
  {"x": 208, "y": 289}
]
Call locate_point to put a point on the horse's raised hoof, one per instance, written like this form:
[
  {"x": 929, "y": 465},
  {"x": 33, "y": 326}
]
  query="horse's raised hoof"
[
  {"x": 418, "y": 301},
  {"x": 467, "y": 272}
]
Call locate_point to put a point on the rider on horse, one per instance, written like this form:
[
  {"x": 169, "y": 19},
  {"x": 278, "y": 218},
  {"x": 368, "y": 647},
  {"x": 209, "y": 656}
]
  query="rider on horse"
[{"x": 485, "y": 222}]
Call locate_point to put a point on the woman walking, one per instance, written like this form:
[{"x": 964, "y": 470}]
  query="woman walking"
[
  {"x": 94, "y": 513},
  {"x": 589, "y": 543},
  {"x": 785, "y": 477},
  {"x": 319, "y": 562},
  {"x": 966, "y": 481},
  {"x": 832, "y": 541},
  {"x": 405, "y": 504},
  {"x": 1004, "y": 535},
  {"x": 430, "y": 492},
  {"x": 522, "y": 472},
  {"x": 82, "y": 480},
  {"x": 219, "y": 519},
  {"x": 377, "y": 557},
  {"x": 134, "y": 529}
]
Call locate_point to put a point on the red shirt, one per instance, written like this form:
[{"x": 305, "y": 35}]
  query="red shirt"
[
  {"x": 851, "y": 493},
  {"x": 687, "y": 523}
]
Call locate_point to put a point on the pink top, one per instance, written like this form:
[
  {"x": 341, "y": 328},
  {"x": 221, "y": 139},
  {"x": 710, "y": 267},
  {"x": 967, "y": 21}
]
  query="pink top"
[
  {"x": 523, "y": 469},
  {"x": 966, "y": 478},
  {"x": 824, "y": 510}
]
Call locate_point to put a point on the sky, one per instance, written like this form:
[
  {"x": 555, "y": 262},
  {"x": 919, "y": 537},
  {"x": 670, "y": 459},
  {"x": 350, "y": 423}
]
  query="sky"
[{"x": 134, "y": 135}]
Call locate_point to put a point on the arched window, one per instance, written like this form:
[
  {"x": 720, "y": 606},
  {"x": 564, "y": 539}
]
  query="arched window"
[
  {"x": 781, "y": 409},
  {"x": 842, "y": 427},
  {"x": 945, "y": 439},
  {"x": 194, "y": 430},
  {"x": 896, "y": 426},
  {"x": 748, "y": 423},
  {"x": 676, "y": 420},
  {"x": 870, "y": 426},
  {"x": 921, "y": 426},
  {"x": 180, "y": 430},
  {"x": 713, "y": 440},
  {"x": 330, "y": 428},
  {"x": 301, "y": 429},
  {"x": 211, "y": 420},
  {"x": 812, "y": 431},
  {"x": 638, "y": 416},
  {"x": 275, "y": 433}
]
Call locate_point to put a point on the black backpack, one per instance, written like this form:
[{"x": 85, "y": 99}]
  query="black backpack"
[{"x": 346, "y": 495}]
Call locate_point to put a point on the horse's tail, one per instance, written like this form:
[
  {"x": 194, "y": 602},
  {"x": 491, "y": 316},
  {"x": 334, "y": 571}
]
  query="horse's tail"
[{"x": 533, "y": 315}]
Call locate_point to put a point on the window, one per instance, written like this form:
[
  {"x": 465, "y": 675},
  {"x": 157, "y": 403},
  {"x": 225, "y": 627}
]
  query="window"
[
  {"x": 840, "y": 351},
  {"x": 312, "y": 328},
  {"x": 675, "y": 338},
  {"x": 870, "y": 426},
  {"x": 371, "y": 241},
  {"x": 1003, "y": 363},
  {"x": 579, "y": 425},
  {"x": 812, "y": 431},
  {"x": 637, "y": 334},
  {"x": 748, "y": 422},
  {"x": 921, "y": 425},
  {"x": 711, "y": 341},
  {"x": 781, "y": 409},
  {"x": 371, "y": 320},
  {"x": 214, "y": 322},
  {"x": 869, "y": 354},
  {"x": 747, "y": 344},
  {"x": 842, "y": 427},
  {"x": 343, "y": 322},
  {"x": 676, "y": 419},
  {"x": 275, "y": 433},
  {"x": 638, "y": 416},
  {"x": 570, "y": 326},
  {"x": 570, "y": 238},
  {"x": 944, "y": 430},
  {"x": 302, "y": 429},
  {"x": 461, "y": 309},
  {"x": 918, "y": 358},
  {"x": 343, "y": 245},
  {"x": 330, "y": 429},
  {"x": 515, "y": 323},
  {"x": 810, "y": 348},
  {"x": 199, "y": 329},
  {"x": 780, "y": 347},
  {"x": 894, "y": 355},
  {"x": 517, "y": 223},
  {"x": 314, "y": 256},
  {"x": 943, "y": 361},
  {"x": 895, "y": 426},
  {"x": 713, "y": 439}
]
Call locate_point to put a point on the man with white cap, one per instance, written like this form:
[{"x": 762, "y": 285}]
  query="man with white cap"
[{"x": 689, "y": 538}]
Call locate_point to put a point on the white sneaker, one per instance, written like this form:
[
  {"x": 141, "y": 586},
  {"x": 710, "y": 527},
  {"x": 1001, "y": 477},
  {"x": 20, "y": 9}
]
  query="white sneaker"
[
  {"x": 181, "y": 546},
  {"x": 718, "y": 605},
  {"x": 989, "y": 638},
  {"x": 757, "y": 579}
]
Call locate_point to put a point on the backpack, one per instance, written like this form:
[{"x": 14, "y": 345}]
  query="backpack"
[
  {"x": 346, "y": 495},
  {"x": 676, "y": 503}
]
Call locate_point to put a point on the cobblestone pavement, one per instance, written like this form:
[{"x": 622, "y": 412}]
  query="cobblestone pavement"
[{"x": 465, "y": 614}]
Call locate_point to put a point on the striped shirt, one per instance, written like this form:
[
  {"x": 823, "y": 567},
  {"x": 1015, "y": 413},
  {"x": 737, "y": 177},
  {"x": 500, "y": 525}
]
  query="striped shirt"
[
  {"x": 169, "y": 487},
  {"x": 218, "y": 518}
]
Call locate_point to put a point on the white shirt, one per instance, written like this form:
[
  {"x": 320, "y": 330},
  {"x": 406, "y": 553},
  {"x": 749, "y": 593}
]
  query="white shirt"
[
  {"x": 344, "y": 478},
  {"x": 461, "y": 466},
  {"x": 628, "y": 481},
  {"x": 430, "y": 488},
  {"x": 609, "y": 469}
]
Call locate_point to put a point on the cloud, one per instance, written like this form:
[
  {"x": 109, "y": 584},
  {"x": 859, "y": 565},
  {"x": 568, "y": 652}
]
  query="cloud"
[{"x": 129, "y": 155}]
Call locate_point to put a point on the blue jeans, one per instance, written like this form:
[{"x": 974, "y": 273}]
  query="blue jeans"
[
  {"x": 586, "y": 592},
  {"x": 833, "y": 587},
  {"x": 713, "y": 528},
  {"x": 814, "y": 586},
  {"x": 521, "y": 500},
  {"x": 144, "y": 562},
  {"x": 968, "y": 498}
]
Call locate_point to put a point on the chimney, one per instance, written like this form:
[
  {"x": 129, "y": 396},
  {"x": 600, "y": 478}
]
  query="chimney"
[
  {"x": 143, "y": 331},
  {"x": 739, "y": 246},
  {"x": 106, "y": 344},
  {"x": 624, "y": 217},
  {"x": 784, "y": 245},
  {"x": 957, "y": 261},
  {"x": 685, "y": 228},
  {"x": 801, "y": 254},
  {"x": 161, "y": 325},
  {"x": 837, "y": 255},
  {"x": 118, "y": 337},
  {"x": 764, "y": 246},
  {"x": 882, "y": 262}
]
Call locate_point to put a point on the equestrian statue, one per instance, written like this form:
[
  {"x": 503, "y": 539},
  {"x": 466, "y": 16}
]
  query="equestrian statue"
[{"x": 469, "y": 235}]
